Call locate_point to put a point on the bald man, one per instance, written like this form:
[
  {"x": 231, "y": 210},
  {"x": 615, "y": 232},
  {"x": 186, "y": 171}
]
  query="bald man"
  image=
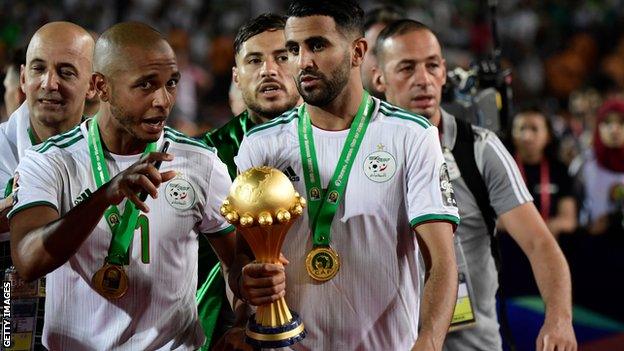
[
  {"x": 121, "y": 277},
  {"x": 56, "y": 80}
]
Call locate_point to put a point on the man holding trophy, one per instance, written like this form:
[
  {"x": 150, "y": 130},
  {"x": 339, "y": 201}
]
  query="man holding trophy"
[{"x": 353, "y": 271}]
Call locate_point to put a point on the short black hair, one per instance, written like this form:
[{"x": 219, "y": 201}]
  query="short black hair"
[
  {"x": 398, "y": 27},
  {"x": 347, "y": 14},
  {"x": 384, "y": 14},
  {"x": 257, "y": 25}
]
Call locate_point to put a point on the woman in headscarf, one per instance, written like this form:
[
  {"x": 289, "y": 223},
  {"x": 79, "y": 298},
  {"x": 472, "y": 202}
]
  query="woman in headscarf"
[{"x": 603, "y": 172}]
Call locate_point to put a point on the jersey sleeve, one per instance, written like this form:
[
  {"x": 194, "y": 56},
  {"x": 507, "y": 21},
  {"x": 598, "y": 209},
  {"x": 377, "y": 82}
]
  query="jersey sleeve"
[
  {"x": 506, "y": 187},
  {"x": 38, "y": 183},
  {"x": 213, "y": 224},
  {"x": 430, "y": 195},
  {"x": 8, "y": 163}
]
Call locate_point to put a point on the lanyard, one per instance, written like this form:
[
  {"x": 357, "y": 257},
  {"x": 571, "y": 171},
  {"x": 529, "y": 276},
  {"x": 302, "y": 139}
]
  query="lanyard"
[
  {"x": 122, "y": 227},
  {"x": 322, "y": 211},
  {"x": 544, "y": 185}
]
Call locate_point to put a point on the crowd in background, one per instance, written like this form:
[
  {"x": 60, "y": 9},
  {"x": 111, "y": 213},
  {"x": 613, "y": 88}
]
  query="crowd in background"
[{"x": 567, "y": 62}]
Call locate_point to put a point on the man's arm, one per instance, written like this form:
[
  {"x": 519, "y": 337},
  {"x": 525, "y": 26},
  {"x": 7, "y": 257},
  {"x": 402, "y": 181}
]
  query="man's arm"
[
  {"x": 551, "y": 272},
  {"x": 41, "y": 240},
  {"x": 440, "y": 292}
]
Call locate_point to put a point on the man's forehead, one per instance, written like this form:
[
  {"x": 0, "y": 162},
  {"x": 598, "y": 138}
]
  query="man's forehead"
[
  {"x": 301, "y": 28},
  {"x": 137, "y": 58},
  {"x": 57, "y": 52},
  {"x": 417, "y": 44},
  {"x": 267, "y": 41}
]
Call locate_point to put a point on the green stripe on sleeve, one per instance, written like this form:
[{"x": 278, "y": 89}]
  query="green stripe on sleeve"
[
  {"x": 32, "y": 204},
  {"x": 435, "y": 218}
]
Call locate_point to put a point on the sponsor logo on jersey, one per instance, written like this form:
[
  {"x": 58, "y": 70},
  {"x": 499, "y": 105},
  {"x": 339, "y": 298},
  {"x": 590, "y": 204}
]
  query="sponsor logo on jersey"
[
  {"x": 180, "y": 194},
  {"x": 448, "y": 195},
  {"x": 290, "y": 173},
  {"x": 380, "y": 166}
]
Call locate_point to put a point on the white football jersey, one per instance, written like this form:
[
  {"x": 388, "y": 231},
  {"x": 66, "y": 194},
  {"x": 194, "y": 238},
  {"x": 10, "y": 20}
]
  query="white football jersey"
[
  {"x": 159, "y": 310},
  {"x": 14, "y": 141},
  {"x": 398, "y": 181}
]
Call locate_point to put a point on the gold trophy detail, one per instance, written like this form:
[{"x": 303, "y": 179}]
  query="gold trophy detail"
[{"x": 263, "y": 204}]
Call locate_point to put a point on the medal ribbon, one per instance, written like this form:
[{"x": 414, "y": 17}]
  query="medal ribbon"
[
  {"x": 123, "y": 228},
  {"x": 321, "y": 209},
  {"x": 544, "y": 185}
]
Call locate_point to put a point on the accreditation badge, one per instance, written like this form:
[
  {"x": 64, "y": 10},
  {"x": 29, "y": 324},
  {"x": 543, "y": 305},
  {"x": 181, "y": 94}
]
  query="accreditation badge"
[
  {"x": 322, "y": 263},
  {"x": 110, "y": 281},
  {"x": 463, "y": 315}
]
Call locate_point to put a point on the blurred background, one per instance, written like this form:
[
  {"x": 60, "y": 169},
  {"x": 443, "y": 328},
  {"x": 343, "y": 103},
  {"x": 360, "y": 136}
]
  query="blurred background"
[{"x": 566, "y": 59}]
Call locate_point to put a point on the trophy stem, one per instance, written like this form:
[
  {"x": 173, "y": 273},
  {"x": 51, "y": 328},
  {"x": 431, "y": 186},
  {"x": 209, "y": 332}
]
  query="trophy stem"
[{"x": 273, "y": 314}]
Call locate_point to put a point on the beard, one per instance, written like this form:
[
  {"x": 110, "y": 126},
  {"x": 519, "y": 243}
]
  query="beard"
[
  {"x": 274, "y": 109},
  {"x": 328, "y": 88}
]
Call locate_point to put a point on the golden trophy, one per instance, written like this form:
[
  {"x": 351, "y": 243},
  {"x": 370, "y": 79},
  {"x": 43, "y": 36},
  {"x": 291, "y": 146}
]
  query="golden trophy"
[{"x": 263, "y": 204}]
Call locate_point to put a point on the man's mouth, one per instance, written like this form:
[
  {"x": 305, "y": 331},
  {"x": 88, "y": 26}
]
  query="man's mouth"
[
  {"x": 423, "y": 101},
  {"x": 153, "y": 124},
  {"x": 50, "y": 102},
  {"x": 270, "y": 89}
]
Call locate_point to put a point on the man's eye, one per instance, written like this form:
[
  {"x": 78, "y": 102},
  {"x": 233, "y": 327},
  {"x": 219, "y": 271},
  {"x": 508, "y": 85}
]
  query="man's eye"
[
  {"x": 282, "y": 58},
  {"x": 67, "y": 73},
  {"x": 406, "y": 69},
  {"x": 318, "y": 47},
  {"x": 294, "y": 50},
  {"x": 254, "y": 61},
  {"x": 173, "y": 83},
  {"x": 145, "y": 85}
]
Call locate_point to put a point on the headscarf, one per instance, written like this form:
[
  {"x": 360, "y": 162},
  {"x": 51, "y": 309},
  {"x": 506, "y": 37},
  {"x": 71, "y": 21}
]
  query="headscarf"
[{"x": 608, "y": 157}]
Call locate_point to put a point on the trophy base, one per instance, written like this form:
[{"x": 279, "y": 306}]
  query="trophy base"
[{"x": 274, "y": 337}]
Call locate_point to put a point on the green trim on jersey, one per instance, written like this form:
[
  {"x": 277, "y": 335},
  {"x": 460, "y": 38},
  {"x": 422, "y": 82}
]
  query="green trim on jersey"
[
  {"x": 221, "y": 232},
  {"x": 284, "y": 118},
  {"x": 58, "y": 144},
  {"x": 8, "y": 190},
  {"x": 435, "y": 217},
  {"x": 393, "y": 111},
  {"x": 58, "y": 139},
  {"x": 32, "y": 204},
  {"x": 178, "y": 137}
]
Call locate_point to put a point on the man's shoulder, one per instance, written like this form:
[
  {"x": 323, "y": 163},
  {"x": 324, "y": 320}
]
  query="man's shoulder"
[
  {"x": 183, "y": 142},
  {"x": 60, "y": 142},
  {"x": 274, "y": 126},
  {"x": 389, "y": 113}
]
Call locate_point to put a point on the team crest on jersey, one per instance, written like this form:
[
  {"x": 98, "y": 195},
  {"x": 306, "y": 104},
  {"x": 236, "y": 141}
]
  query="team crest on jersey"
[
  {"x": 448, "y": 195},
  {"x": 180, "y": 194},
  {"x": 380, "y": 166}
]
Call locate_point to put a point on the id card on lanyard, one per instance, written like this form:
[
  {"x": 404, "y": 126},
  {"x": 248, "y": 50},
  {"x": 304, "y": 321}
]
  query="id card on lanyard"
[{"x": 463, "y": 315}]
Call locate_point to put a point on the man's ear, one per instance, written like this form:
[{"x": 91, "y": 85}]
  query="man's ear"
[
  {"x": 100, "y": 86},
  {"x": 235, "y": 76},
  {"x": 22, "y": 77},
  {"x": 379, "y": 81},
  {"x": 359, "y": 50},
  {"x": 91, "y": 91}
]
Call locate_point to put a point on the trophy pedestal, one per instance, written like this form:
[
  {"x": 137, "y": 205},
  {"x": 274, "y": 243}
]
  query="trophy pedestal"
[{"x": 275, "y": 337}]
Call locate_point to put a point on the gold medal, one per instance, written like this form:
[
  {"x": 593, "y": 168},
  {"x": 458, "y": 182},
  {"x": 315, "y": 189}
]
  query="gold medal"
[
  {"x": 110, "y": 281},
  {"x": 322, "y": 263}
]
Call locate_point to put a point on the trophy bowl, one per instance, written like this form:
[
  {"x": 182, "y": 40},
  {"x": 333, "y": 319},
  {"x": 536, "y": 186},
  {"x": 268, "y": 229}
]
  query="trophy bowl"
[{"x": 263, "y": 204}]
